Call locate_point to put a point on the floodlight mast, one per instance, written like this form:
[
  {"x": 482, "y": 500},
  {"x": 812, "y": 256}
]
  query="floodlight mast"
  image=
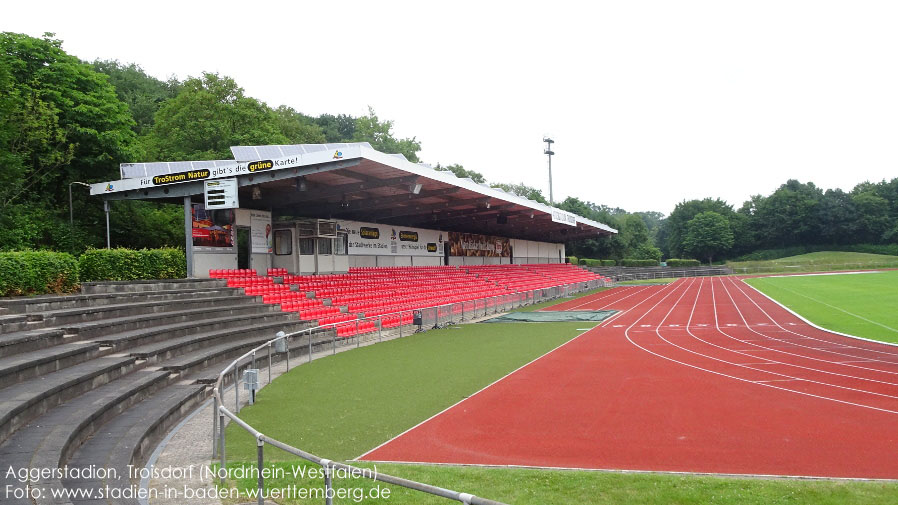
[{"x": 549, "y": 152}]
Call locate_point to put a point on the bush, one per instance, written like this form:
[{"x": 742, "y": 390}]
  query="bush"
[
  {"x": 130, "y": 264},
  {"x": 572, "y": 260},
  {"x": 609, "y": 263},
  {"x": 630, "y": 262},
  {"x": 674, "y": 262},
  {"x": 37, "y": 272}
]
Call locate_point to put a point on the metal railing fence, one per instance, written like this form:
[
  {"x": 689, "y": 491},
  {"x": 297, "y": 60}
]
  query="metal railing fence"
[{"x": 328, "y": 337}]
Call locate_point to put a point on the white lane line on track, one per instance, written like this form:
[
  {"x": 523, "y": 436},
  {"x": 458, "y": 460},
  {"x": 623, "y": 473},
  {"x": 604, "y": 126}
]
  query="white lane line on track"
[
  {"x": 484, "y": 388},
  {"x": 811, "y": 324},
  {"x": 606, "y": 294},
  {"x": 793, "y": 344},
  {"x": 617, "y": 300},
  {"x": 852, "y": 314},
  {"x": 884, "y": 344},
  {"x": 772, "y": 386}
]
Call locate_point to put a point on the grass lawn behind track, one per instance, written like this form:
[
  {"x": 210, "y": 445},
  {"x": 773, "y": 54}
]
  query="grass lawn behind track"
[
  {"x": 344, "y": 405},
  {"x": 642, "y": 282},
  {"x": 864, "y": 305},
  {"x": 537, "y": 487},
  {"x": 817, "y": 262}
]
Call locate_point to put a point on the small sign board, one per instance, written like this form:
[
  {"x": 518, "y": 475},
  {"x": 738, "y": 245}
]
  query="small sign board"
[{"x": 221, "y": 194}]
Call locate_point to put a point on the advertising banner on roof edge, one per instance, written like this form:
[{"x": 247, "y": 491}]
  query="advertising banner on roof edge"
[{"x": 384, "y": 240}]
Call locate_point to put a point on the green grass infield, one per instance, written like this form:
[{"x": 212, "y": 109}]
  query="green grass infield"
[{"x": 862, "y": 304}]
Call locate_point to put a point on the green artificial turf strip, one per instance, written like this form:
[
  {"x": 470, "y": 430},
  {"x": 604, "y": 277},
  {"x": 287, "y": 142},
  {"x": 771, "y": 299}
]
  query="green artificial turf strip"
[
  {"x": 542, "y": 305},
  {"x": 864, "y": 305},
  {"x": 533, "y": 486},
  {"x": 344, "y": 405}
]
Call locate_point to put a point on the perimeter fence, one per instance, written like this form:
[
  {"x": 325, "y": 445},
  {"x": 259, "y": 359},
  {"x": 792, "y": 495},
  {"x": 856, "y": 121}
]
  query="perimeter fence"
[{"x": 329, "y": 338}]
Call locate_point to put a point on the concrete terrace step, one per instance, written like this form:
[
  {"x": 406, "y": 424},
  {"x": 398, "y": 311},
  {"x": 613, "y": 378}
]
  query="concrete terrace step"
[
  {"x": 105, "y": 312},
  {"x": 23, "y": 305},
  {"x": 23, "y": 402},
  {"x": 29, "y": 340},
  {"x": 96, "y": 329},
  {"x": 151, "y": 285},
  {"x": 24, "y": 366},
  {"x": 48, "y": 441},
  {"x": 130, "y": 437},
  {"x": 193, "y": 362},
  {"x": 122, "y": 341},
  {"x": 167, "y": 349}
]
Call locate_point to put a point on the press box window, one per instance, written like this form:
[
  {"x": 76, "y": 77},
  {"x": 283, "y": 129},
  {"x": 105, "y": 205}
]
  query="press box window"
[
  {"x": 325, "y": 246},
  {"x": 283, "y": 242},
  {"x": 307, "y": 246},
  {"x": 341, "y": 244}
]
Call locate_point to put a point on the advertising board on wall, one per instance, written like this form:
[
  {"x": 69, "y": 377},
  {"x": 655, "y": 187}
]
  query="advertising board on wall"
[
  {"x": 384, "y": 240},
  {"x": 473, "y": 244},
  {"x": 208, "y": 234},
  {"x": 260, "y": 231}
]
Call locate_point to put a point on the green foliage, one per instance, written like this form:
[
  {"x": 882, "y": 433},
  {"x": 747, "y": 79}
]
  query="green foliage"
[
  {"x": 380, "y": 135},
  {"x": 297, "y": 127},
  {"x": 675, "y": 262},
  {"x": 632, "y": 262},
  {"x": 37, "y": 272},
  {"x": 572, "y": 260},
  {"x": 708, "y": 234},
  {"x": 340, "y": 128},
  {"x": 142, "y": 93},
  {"x": 130, "y": 264},
  {"x": 522, "y": 190},
  {"x": 208, "y": 116},
  {"x": 609, "y": 263},
  {"x": 460, "y": 171},
  {"x": 772, "y": 254},
  {"x": 60, "y": 121}
]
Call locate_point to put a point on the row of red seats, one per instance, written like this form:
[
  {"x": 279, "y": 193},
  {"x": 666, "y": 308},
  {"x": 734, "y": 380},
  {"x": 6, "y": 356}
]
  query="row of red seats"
[
  {"x": 226, "y": 273},
  {"x": 277, "y": 272}
]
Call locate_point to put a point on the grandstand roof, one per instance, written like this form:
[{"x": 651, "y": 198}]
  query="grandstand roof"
[{"x": 354, "y": 181}]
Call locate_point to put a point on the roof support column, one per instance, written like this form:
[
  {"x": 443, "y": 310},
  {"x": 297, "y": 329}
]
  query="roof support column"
[{"x": 188, "y": 234}]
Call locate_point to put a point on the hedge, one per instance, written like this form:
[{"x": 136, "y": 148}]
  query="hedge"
[
  {"x": 586, "y": 262},
  {"x": 130, "y": 264},
  {"x": 37, "y": 272},
  {"x": 629, "y": 262},
  {"x": 674, "y": 262},
  {"x": 572, "y": 260}
]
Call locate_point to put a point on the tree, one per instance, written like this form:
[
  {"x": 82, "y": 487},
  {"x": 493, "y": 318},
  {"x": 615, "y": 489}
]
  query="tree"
[
  {"x": 297, "y": 127},
  {"x": 675, "y": 224},
  {"x": 380, "y": 135},
  {"x": 522, "y": 190},
  {"x": 708, "y": 234},
  {"x": 142, "y": 93},
  {"x": 339, "y": 128},
  {"x": 208, "y": 116},
  {"x": 61, "y": 121},
  {"x": 460, "y": 171}
]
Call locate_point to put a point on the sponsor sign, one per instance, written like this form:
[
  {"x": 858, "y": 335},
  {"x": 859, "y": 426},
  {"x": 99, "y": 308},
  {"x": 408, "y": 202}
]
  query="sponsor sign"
[
  {"x": 385, "y": 240},
  {"x": 260, "y": 231},
  {"x": 473, "y": 244},
  {"x": 206, "y": 233},
  {"x": 258, "y": 166},
  {"x": 190, "y": 175},
  {"x": 560, "y": 216}
]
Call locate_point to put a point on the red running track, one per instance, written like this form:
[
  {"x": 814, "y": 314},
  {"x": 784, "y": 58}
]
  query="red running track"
[{"x": 703, "y": 375}]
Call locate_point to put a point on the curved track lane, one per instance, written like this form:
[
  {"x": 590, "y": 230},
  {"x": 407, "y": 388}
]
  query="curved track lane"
[{"x": 703, "y": 375}]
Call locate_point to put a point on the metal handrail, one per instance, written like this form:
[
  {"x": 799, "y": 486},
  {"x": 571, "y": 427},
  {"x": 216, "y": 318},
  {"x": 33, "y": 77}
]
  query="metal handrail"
[{"x": 220, "y": 412}]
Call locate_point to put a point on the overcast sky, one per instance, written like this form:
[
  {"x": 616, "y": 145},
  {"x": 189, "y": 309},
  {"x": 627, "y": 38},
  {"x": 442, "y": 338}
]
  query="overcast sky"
[{"x": 649, "y": 102}]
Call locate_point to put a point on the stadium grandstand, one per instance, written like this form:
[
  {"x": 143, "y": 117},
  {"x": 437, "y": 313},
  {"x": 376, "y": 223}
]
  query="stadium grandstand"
[{"x": 339, "y": 242}]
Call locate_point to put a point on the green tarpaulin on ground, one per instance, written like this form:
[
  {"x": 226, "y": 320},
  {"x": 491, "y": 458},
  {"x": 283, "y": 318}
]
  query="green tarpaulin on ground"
[{"x": 545, "y": 316}]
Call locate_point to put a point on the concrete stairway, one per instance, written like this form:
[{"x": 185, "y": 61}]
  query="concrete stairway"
[{"x": 96, "y": 379}]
